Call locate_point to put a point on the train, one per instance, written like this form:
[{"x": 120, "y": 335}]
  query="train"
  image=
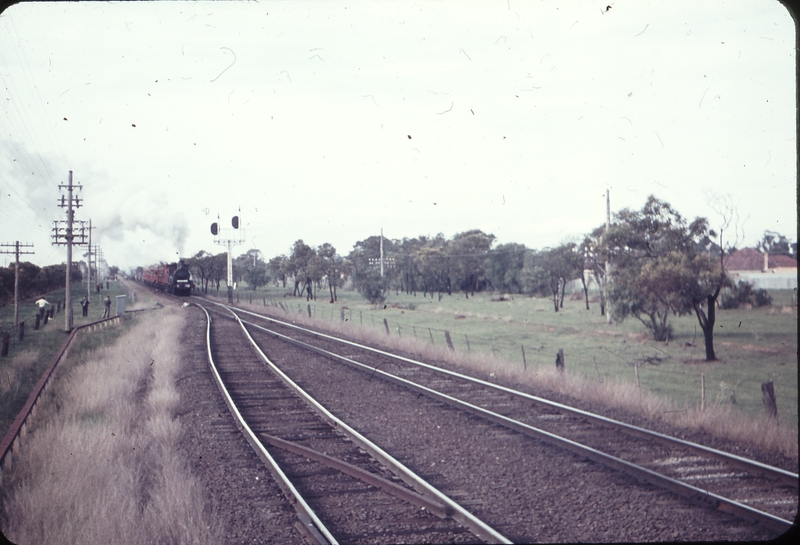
[{"x": 174, "y": 278}]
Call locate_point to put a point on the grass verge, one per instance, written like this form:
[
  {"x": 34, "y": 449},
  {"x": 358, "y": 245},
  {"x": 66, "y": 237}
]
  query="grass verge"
[{"x": 101, "y": 464}]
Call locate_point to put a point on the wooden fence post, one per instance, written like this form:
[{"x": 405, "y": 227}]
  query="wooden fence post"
[
  {"x": 386, "y": 325},
  {"x": 636, "y": 370},
  {"x": 449, "y": 341},
  {"x": 4, "y": 347},
  {"x": 768, "y": 395},
  {"x": 309, "y": 311},
  {"x": 524, "y": 363},
  {"x": 467, "y": 339},
  {"x": 560, "y": 360},
  {"x": 702, "y": 392},
  {"x": 21, "y": 331},
  {"x": 341, "y": 315},
  {"x": 36, "y": 323},
  {"x": 595, "y": 369},
  {"x": 431, "y": 334}
]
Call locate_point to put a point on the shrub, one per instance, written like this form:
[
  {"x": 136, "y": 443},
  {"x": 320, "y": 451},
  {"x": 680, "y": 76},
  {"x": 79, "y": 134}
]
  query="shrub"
[{"x": 742, "y": 294}]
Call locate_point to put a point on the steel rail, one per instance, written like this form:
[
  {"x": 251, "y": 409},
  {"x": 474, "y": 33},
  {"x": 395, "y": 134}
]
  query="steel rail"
[
  {"x": 458, "y": 513},
  {"x": 361, "y": 474},
  {"x": 309, "y": 520},
  {"x": 784, "y": 476},
  {"x": 690, "y": 492}
]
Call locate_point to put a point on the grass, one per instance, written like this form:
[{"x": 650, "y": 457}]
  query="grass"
[
  {"x": 27, "y": 359},
  {"x": 101, "y": 464},
  {"x": 752, "y": 346}
]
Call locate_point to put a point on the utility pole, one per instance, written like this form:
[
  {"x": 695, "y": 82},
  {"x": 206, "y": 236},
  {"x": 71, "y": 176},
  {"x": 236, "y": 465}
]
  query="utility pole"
[
  {"x": 229, "y": 239},
  {"x": 16, "y": 253},
  {"x": 608, "y": 265},
  {"x": 68, "y": 235},
  {"x": 89, "y": 265}
]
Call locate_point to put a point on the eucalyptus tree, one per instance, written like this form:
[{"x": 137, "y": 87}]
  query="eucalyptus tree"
[
  {"x": 504, "y": 267},
  {"x": 661, "y": 269},
  {"x": 468, "y": 251}
]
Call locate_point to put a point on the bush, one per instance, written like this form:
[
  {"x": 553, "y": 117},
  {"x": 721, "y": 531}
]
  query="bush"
[{"x": 742, "y": 294}]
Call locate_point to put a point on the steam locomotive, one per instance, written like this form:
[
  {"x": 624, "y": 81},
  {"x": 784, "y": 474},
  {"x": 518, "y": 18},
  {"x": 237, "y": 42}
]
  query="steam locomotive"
[{"x": 174, "y": 278}]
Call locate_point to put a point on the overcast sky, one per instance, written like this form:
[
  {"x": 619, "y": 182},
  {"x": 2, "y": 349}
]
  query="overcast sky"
[{"x": 327, "y": 121}]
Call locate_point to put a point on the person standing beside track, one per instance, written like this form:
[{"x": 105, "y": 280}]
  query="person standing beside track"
[{"x": 107, "y": 304}]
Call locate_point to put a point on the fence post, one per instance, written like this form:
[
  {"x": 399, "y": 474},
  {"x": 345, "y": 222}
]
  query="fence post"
[
  {"x": 560, "y": 360},
  {"x": 524, "y": 363},
  {"x": 702, "y": 392},
  {"x": 449, "y": 341},
  {"x": 309, "y": 311},
  {"x": 341, "y": 315},
  {"x": 386, "y": 325},
  {"x": 4, "y": 347},
  {"x": 21, "y": 331},
  {"x": 595, "y": 369},
  {"x": 638, "y": 384},
  {"x": 36, "y": 323},
  {"x": 768, "y": 395},
  {"x": 431, "y": 334},
  {"x": 467, "y": 339}
]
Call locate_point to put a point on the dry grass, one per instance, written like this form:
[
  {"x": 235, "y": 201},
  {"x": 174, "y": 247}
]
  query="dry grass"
[
  {"x": 717, "y": 419},
  {"x": 102, "y": 465}
]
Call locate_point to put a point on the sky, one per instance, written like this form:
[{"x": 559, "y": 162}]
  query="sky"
[{"x": 329, "y": 121}]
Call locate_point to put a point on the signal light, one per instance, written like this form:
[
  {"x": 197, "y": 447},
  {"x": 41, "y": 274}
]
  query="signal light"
[
  {"x": 214, "y": 229},
  {"x": 235, "y": 222}
]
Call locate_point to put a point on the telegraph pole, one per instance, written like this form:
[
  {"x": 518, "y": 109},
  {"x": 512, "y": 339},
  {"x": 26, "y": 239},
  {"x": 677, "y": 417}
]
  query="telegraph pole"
[
  {"x": 608, "y": 266},
  {"x": 16, "y": 253},
  {"x": 67, "y": 234},
  {"x": 381, "y": 252},
  {"x": 89, "y": 265},
  {"x": 229, "y": 239}
]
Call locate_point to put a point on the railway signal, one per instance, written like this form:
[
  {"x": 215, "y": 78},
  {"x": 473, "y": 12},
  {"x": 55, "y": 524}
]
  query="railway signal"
[{"x": 229, "y": 238}]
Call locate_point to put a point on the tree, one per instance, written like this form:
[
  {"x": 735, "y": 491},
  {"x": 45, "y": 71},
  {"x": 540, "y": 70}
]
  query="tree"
[
  {"x": 330, "y": 264},
  {"x": 775, "y": 244},
  {"x": 277, "y": 267},
  {"x": 433, "y": 263},
  {"x": 365, "y": 261},
  {"x": 560, "y": 265},
  {"x": 504, "y": 267},
  {"x": 468, "y": 251},
  {"x": 658, "y": 270},
  {"x": 218, "y": 268},
  {"x": 299, "y": 265}
]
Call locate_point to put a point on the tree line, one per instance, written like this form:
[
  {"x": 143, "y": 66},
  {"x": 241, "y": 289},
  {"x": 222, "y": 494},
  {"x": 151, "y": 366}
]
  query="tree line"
[
  {"x": 648, "y": 264},
  {"x": 34, "y": 280}
]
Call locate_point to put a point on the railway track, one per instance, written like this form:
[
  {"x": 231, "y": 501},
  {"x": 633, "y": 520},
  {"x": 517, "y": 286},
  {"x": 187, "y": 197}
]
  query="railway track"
[
  {"x": 705, "y": 476},
  {"x": 343, "y": 487}
]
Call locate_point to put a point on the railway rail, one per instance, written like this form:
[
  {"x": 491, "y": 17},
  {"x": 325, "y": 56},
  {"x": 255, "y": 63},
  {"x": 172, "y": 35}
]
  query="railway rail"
[
  {"x": 343, "y": 486},
  {"x": 706, "y": 476}
]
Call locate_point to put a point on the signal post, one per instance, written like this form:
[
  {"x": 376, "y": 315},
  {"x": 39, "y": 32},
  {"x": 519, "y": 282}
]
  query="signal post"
[{"x": 228, "y": 238}]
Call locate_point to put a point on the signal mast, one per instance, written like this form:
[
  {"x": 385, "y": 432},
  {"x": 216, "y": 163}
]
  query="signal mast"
[{"x": 228, "y": 238}]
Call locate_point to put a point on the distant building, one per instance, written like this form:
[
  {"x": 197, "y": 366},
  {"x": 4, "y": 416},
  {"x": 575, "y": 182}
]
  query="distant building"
[{"x": 778, "y": 272}]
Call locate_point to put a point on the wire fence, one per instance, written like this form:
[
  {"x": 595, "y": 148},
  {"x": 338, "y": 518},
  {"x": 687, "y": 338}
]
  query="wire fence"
[{"x": 683, "y": 385}]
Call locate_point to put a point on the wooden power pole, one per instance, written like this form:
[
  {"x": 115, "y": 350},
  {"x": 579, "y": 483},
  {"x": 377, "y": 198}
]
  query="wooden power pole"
[{"x": 16, "y": 253}]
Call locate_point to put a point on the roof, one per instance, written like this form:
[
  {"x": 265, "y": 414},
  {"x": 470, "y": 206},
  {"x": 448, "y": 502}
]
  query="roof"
[{"x": 750, "y": 259}]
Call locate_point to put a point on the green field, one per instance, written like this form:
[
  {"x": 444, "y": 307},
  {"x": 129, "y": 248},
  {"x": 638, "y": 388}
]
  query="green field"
[{"x": 753, "y": 346}]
